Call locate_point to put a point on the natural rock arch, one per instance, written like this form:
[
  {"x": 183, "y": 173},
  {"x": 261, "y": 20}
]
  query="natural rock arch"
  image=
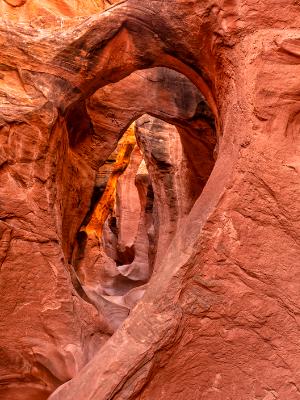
[
  {"x": 46, "y": 362},
  {"x": 170, "y": 96},
  {"x": 244, "y": 223}
]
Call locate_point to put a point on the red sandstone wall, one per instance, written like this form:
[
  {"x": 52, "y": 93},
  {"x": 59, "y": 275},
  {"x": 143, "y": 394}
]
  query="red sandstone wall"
[{"x": 219, "y": 317}]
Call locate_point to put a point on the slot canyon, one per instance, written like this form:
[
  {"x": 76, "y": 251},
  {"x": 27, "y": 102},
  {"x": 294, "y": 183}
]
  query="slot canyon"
[{"x": 149, "y": 200}]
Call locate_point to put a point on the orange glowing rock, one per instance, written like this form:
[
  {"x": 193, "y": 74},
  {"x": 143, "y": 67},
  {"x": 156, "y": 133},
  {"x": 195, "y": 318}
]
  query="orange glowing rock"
[{"x": 107, "y": 201}]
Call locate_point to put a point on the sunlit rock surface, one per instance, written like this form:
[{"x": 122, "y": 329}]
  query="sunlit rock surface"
[{"x": 217, "y": 221}]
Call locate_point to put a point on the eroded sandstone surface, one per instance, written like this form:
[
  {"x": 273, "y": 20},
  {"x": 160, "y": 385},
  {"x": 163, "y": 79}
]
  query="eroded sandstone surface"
[{"x": 149, "y": 200}]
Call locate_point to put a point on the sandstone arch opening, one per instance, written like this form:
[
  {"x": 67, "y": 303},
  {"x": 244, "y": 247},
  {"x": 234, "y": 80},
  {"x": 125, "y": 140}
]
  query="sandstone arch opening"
[
  {"x": 68, "y": 170},
  {"x": 114, "y": 256},
  {"x": 78, "y": 143},
  {"x": 136, "y": 216}
]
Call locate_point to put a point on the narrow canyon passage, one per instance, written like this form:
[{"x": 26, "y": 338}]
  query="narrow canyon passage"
[
  {"x": 149, "y": 200},
  {"x": 144, "y": 192}
]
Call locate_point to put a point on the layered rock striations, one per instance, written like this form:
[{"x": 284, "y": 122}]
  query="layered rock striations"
[
  {"x": 55, "y": 350},
  {"x": 215, "y": 204}
]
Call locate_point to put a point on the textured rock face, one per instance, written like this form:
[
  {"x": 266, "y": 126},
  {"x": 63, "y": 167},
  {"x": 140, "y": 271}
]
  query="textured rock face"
[
  {"x": 170, "y": 179},
  {"x": 219, "y": 318},
  {"x": 50, "y": 12}
]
